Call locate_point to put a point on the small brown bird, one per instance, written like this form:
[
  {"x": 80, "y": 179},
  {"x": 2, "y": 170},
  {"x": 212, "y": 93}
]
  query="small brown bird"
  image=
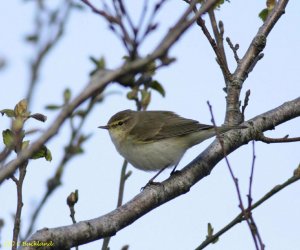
[{"x": 156, "y": 140}]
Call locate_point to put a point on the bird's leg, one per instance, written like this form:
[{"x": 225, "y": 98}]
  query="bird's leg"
[
  {"x": 157, "y": 174},
  {"x": 151, "y": 182},
  {"x": 174, "y": 169}
]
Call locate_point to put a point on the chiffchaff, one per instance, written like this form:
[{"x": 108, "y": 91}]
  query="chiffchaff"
[{"x": 155, "y": 140}]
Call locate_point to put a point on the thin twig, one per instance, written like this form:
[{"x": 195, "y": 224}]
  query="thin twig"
[
  {"x": 141, "y": 21},
  {"x": 251, "y": 176},
  {"x": 234, "y": 49},
  {"x": 17, "y": 222},
  {"x": 127, "y": 40},
  {"x": 125, "y": 12},
  {"x": 223, "y": 65},
  {"x": 109, "y": 18},
  {"x": 246, "y": 102},
  {"x": 218, "y": 35},
  {"x": 72, "y": 199},
  {"x": 52, "y": 184},
  {"x": 124, "y": 176},
  {"x": 239, "y": 218},
  {"x": 56, "y": 32},
  {"x": 258, "y": 58},
  {"x": 55, "y": 181},
  {"x": 18, "y": 133},
  {"x": 261, "y": 137},
  {"x": 150, "y": 26},
  {"x": 247, "y": 214}
]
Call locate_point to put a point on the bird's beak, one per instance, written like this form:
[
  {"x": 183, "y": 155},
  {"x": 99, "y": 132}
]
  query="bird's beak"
[{"x": 104, "y": 127}]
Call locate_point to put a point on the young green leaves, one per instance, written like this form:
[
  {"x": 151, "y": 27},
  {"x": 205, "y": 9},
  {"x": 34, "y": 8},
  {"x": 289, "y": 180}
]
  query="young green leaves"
[{"x": 13, "y": 138}]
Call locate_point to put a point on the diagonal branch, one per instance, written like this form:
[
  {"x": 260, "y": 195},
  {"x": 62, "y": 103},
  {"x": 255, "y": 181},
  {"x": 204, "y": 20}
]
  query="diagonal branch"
[
  {"x": 101, "y": 79},
  {"x": 176, "y": 185}
]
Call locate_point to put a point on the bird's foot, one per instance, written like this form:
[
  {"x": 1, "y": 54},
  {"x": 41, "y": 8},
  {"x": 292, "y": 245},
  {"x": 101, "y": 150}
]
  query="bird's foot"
[
  {"x": 175, "y": 172},
  {"x": 151, "y": 183}
]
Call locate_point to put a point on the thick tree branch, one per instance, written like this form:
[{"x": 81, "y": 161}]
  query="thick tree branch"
[
  {"x": 101, "y": 79},
  {"x": 176, "y": 185}
]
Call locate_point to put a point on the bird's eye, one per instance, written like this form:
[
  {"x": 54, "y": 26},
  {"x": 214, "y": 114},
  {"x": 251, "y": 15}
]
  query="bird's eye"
[{"x": 120, "y": 123}]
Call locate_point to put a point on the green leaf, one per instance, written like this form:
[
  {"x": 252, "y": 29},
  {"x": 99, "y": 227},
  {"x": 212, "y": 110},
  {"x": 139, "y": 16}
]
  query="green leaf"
[
  {"x": 8, "y": 112},
  {"x": 67, "y": 95},
  {"x": 158, "y": 87},
  {"x": 43, "y": 152},
  {"x": 146, "y": 98},
  {"x": 210, "y": 232},
  {"x": 132, "y": 94},
  {"x": 40, "y": 153},
  {"x": 8, "y": 138},
  {"x": 48, "y": 156},
  {"x": 53, "y": 107},
  {"x": 21, "y": 109},
  {"x": 101, "y": 63},
  {"x": 264, "y": 14},
  {"x": 219, "y": 3}
]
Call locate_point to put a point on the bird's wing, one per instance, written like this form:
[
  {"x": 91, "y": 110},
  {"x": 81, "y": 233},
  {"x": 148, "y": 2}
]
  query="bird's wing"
[{"x": 165, "y": 124}]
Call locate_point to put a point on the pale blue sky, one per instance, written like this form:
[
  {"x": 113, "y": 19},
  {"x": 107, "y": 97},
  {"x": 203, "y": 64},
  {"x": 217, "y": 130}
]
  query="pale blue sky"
[{"x": 192, "y": 80}]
